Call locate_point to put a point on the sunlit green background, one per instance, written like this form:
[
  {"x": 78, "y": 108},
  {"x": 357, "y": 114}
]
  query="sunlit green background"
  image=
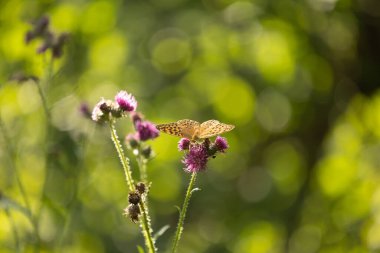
[{"x": 299, "y": 79}]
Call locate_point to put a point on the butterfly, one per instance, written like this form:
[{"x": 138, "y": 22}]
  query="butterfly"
[{"x": 194, "y": 130}]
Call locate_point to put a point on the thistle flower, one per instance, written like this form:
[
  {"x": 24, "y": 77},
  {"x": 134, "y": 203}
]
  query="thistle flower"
[
  {"x": 183, "y": 144},
  {"x": 98, "y": 114},
  {"x": 126, "y": 101},
  {"x": 146, "y": 130},
  {"x": 220, "y": 144},
  {"x": 196, "y": 159},
  {"x": 103, "y": 110}
]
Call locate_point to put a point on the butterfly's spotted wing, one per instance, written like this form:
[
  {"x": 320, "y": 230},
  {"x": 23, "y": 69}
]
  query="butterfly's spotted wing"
[
  {"x": 189, "y": 128},
  {"x": 212, "y": 127},
  {"x": 170, "y": 128}
]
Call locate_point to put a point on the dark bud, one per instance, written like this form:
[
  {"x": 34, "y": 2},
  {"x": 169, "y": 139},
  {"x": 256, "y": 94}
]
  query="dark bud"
[
  {"x": 105, "y": 107},
  {"x": 57, "y": 47},
  {"x": 134, "y": 198},
  {"x": 146, "y": 152},
  {"x": 29, "y": 36},
  {"x": 136, "y": 118},
  {"x": 141, "y": 187},
  {"x": 85, "y": 110},
  {"x": 133, "y": 212},
  {"x": 41, "y": 26},
  {"x": 21, "y": 77},
  {"x": 132, "y": 141}
]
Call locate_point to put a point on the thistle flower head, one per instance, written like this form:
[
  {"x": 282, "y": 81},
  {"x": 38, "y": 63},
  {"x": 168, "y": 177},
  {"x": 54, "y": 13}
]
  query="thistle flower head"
[
  {"x": 100, "y": 113},
  {"x": 133, "y": 212},
  {"x": 221, "y": 144},
  {"x": 146, "y": 130},
  {"x": 126, "y": 101},
  {"x": 183, "y": 144},
  {"x": 134, "y": 198},
  {"x": 196, "y": 159},
  {"x": 140, "y": 187}
]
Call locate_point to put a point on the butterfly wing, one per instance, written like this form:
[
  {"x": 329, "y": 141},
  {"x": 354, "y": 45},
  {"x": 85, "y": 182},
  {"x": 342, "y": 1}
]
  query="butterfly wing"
[
  {"x": 170, "y": 128},
  {"x": 188, "y": 127},
  {"x": 213, "y": 127}
]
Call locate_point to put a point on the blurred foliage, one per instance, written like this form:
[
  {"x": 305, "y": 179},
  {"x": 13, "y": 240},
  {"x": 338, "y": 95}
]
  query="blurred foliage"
[{"x": 299, "y": 79}]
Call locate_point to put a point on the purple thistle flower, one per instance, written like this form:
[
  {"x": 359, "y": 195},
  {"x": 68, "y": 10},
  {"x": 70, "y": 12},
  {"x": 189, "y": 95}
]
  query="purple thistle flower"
[
  {"x": 146, "y": 130},
  {"x": 196, "y": 159},
  {"x": 221, "y": 144},
  {"x": 183, "y": 144},
  {"x": 126, "y": 101}
]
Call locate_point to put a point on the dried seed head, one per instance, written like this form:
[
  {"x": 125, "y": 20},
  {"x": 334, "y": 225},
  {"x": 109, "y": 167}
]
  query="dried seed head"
[
  {"x": 134, "y": 198},
  {"x": 140, "y": 186},
  {"x": 133, "y": 212}
]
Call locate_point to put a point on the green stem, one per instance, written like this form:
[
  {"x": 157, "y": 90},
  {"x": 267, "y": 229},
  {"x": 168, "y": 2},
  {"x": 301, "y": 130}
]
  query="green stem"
[
  {"x": 15, "y": 234},
  {"x": 12, "y": 157},
  {"x": 182, "y": 215},
  {"x": 142, "y": 166},
  {"x": 43, "y": 99},
  {"x": 146, "y": 228},
  {"x": 124, "y": 160},
  {"x": 145, "y": 221}
]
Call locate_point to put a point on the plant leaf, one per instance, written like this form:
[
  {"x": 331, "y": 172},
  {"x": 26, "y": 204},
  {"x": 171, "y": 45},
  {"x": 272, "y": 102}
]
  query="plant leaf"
[
  {"x": 161, "y": 232},
  {"x": 194, "y": 190},
  {"x": 140, "y": 249}
]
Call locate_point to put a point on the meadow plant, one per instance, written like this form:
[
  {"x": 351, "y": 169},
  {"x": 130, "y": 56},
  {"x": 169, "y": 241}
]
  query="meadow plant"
[{"x": 196, "y": 156}]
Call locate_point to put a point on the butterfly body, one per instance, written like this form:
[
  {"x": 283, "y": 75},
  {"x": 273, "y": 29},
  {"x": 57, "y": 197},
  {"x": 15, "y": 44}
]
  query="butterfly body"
[{"x": 194, "y": 130}]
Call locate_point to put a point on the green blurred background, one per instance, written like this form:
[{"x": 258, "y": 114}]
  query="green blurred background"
[{"x": 299, "y": 79}]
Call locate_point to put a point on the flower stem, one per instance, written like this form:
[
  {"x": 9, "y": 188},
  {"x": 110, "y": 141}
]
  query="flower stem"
[
  {"x": 142, "y": 166},
  {"x": 12, "y": 156},
  {"x": 182, "y": 215},
  {"x": 145, "y": 221},
  {"x": 14, "y": 230},
  {"x": 124, "y": 160}
]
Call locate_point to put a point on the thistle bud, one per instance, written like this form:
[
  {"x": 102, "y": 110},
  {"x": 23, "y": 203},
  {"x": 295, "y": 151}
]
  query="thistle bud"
[
  {"x": 146, "y": 152},
  {"x": 140, "y": 186},
  {"x": 133, "y": 212},
  {"x": 134, "y": 198}
]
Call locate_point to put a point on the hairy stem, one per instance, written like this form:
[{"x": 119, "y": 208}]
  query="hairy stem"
[
  {"x": 142, "y": 166},
  {"x": 123, "y": 159},
  {"x": 145, "y": 221},
  {"x": 182, "y": 215}
]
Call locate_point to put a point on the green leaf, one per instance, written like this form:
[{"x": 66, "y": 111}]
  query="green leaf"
[
  {"x": 140, "y": 249},
  {"x": 194, "y": 190},
  {"x": 161, "y": 232}
]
